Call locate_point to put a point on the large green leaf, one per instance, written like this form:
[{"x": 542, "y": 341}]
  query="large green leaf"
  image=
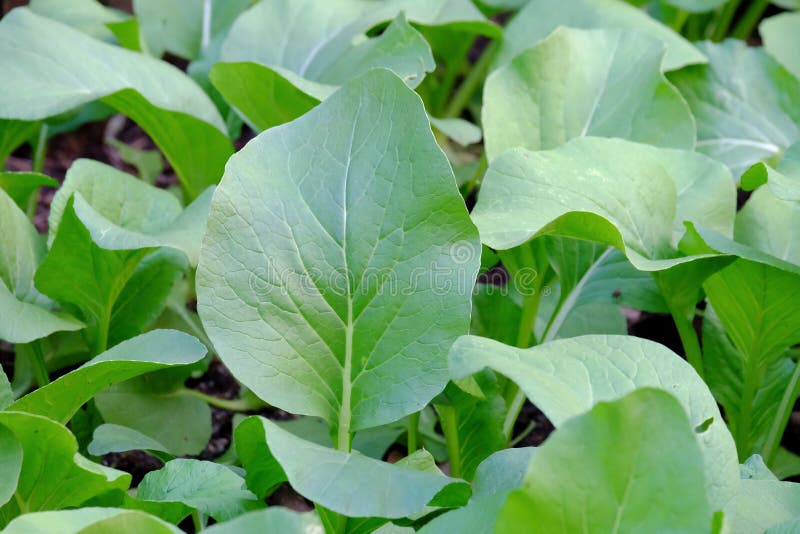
[
  {"x": 347, "y": 483},
  {"x": 313, "y": 281},
  {"x": 53, "y": 474},
  {"x": 625, "y": 466},
  {"x": 781, "y": 35},
  {"x": 176, "y": 26},
  {"x": 90, "y": 520},
  {"x": 210, "y": 488},
  {"x": 25, "y": 311},
  {"x": 571, "y": 85},
  {"x": 400, "y": 48},
  {"x": 155, "y": 350},
  {"x": 540, "y": 17},
  {"x": 44, "y": 77},
  {"x": 567, "y": 377},
  {"x": 746, "y": 105},
  {"x": 631, "y": 196}
]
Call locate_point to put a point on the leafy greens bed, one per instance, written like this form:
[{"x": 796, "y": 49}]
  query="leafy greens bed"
[{"x": 391, "y": 283}]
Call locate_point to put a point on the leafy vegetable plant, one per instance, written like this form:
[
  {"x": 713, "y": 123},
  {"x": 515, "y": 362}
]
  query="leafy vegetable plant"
[{"x": 388, "y": 266}]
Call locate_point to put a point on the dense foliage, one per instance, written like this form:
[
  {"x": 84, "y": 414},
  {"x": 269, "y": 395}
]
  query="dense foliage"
[{"x": 397, "y": 223}]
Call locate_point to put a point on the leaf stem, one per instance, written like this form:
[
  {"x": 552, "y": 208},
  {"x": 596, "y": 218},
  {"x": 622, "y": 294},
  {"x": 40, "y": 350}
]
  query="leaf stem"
[
  {"x": 724, "y": 19},
  {"x": 472, "y": 82},
  {"x": 447, "y": 418},
  {"x": 680, "y": 19},
  {"x": 413, "y": 433},
  {"x": 37, "y": 165},
  {"x": 198, "y": 521},
  {"x": 744, "y": 28},
  {"x": 39, "y": 365},
  {"x": 523, "y": 434},
  {"x": 206, "y": 35},
  {"x": 753, "y": 377},
  {"x": 241, "y": 404},
  {"x": 782, "y": 415}
]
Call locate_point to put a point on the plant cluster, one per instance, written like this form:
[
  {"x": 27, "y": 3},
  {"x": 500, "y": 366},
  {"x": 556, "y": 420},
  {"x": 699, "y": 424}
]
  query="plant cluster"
[{"x": 629, "y": 159}]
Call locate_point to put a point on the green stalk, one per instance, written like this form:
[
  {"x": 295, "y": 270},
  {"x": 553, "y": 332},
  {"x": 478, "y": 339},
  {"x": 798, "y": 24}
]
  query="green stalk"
[
  {"x": 782, "y": 416},
  {"x": 413, "y": 433},
  {"x": 476, "y": 178},
  {"x": 680, "y": 19},
  {"x": 206, "y": 29},
  {"x": 691, "y": 345},
  {"x": 447, "y": 418},
  {"x": 744, "y": 28},
  {"x": 472, "y": 82},
  {"x": 232, "y": 405},
  {"x": 39, "y": 366},
  {"x": 723, "y": 21},
  {"x": 37, "y": 165},
  {"x": 198, "y": 521}
]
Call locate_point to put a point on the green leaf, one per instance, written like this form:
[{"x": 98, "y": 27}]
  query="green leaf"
[
  {"x": 605, "y": 190},
  {"x": 6, "y": 394},
  {"x": 784, "y": 182},
  {"x": 786, "y": 464},
  {"x": 760, "y": 504},
  {"x": 90, "y": 520},
  {"x": 570, "y": 85},
  {"x": 47, "y": 76},
  {"x": 781, "y": 35},
  {"x": 88, "y": 16},
  {"x": 176, "y": 26},
  {"x": 539, "y": 18},
  {"x": 123, "y": 213},
  {"x": 159, "y": 407},
  {"x": 498, "y": 475},
  {"x": 306, "y": 76},
  {"x": 347, "y": 483},
  {"x": 116, "y": 438},
  {"x": 311, "y": 282},
  {"x": 144, "y": 296},
  {"x": 53, "y": 474},
  {"x": 13, "y": 134},
  {"x": 565, "y": 378},
  {"x": 210, "y": 488},
  {"x": 629, "y": 465},
  {"x": 20, "y": 185},
  {"x": 372, "y": 442},
  {"x": 754, "y": 303},
  {"x": 21, "y": 251},
  {"x": 11, "y": 460},
  {"x": 158, "y": 349},
  {"x": 767, "y": 223},
  {"x": 274, "y": 519},
  {"x": 148, "y": 163},
  {"x": 746, "y": 105}
]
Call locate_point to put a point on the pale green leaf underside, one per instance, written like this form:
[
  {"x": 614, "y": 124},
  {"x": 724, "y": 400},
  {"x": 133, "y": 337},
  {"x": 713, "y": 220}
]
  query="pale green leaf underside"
[
  {"x": 567, "y": 377},
  {"x": 46, "y": 76},
  {"x": 158, "y": 349},
  {"x": 290, "y": 89},
  {"x": 784, "y": 182},
  {"x": 123, "y": 213},
  {"x": 769, "y": 224},
  {"x": 88, "y": 16},
  {"x": 349, "y": 483},
  {"x": 632, "y": 196},
  {"x": 603, "y": 83},
  {"x": 760, "y": 504},
  {"x": 90, "y": 519},
  {"x": 24, "y": 322},
  {"x": 632, "y": 465},
  {"x": 539, "y": 18},
  {"x": 312, "y": 280},
  {"x": 746, "y": 105}
]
